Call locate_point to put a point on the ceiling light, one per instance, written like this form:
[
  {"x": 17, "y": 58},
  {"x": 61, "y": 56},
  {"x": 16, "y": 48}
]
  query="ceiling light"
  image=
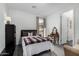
[{"x": 33, "y": 6}]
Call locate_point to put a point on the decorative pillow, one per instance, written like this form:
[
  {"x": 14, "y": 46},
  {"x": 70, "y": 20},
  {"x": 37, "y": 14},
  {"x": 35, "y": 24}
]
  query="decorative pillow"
[{"x": 29, "y": 34}]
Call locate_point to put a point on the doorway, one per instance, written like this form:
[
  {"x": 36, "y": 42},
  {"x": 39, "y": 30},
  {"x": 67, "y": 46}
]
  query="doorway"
[{"x": 67, "y": 27}]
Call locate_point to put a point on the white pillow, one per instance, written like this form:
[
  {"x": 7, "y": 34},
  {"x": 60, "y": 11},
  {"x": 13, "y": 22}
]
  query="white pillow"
[{"x": 29, "y": 34}]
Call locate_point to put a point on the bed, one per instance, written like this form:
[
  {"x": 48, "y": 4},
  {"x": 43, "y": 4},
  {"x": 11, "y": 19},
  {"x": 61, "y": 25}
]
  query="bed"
[{"x": 30, "y": 49}]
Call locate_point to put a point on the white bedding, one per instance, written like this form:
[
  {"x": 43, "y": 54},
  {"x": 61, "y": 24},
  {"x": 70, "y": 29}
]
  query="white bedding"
[{"x": 31, "y": 49}]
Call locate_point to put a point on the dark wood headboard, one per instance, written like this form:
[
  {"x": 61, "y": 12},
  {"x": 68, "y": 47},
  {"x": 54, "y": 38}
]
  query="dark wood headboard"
[{"x": 25, "y": 32}]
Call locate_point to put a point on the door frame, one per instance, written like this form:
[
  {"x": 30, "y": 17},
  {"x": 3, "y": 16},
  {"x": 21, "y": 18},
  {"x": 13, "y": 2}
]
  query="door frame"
[{"x": 67, "y": 25}]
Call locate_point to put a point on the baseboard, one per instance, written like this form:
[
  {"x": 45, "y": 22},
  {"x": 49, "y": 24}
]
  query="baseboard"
[{"x": 2, "y": 52}]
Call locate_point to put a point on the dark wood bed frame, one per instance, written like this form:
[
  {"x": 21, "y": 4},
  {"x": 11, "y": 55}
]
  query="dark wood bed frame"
[{"x": 25, "y": 32}]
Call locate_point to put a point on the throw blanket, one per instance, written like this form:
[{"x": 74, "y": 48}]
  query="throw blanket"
[{"x": 32, "y": 40}]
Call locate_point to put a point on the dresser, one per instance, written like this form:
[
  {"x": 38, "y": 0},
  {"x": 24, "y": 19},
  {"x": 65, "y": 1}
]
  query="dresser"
[{"x": 10, "y": 38}]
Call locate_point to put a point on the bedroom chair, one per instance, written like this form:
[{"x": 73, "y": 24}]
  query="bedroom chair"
[{"x": 70, "y": 51}]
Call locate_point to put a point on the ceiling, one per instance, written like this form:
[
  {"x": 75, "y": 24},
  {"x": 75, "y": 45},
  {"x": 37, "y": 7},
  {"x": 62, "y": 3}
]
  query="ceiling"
[{"x": 40, "y": 9}]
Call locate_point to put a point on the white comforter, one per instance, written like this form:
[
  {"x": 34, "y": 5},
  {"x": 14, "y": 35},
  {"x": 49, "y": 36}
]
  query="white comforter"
[{"x": 31, "y": 49}]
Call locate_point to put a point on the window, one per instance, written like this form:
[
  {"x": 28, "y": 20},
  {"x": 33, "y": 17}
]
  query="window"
[{"x": 41, "y": 26}]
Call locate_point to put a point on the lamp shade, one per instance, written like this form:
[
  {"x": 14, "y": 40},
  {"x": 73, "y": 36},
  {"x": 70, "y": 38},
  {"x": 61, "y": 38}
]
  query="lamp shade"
[{"x": 7, "y": 20}]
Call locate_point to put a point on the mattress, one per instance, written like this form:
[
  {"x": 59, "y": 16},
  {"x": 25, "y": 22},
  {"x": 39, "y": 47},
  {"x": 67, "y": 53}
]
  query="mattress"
[{"x": 31, "y": 49}]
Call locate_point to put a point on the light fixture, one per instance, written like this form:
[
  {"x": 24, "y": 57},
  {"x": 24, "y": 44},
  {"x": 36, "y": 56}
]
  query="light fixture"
[
  {"x": 34, "y": 6},
  {"x": 7, "y": 20}
]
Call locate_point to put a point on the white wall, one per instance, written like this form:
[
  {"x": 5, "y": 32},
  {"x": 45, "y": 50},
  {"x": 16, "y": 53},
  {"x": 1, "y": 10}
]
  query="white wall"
[
  {"x": 22, "y": 20},
  {"x": 54, "y": 20},
  {"x": 76, "y": 24},
  {"x": 2, "y": 27}
]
